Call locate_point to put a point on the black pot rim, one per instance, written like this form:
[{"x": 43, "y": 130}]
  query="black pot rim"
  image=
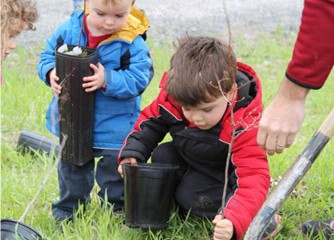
[
  {"x": 152, "y": 166},
  {"x": 10, "y": 226}
]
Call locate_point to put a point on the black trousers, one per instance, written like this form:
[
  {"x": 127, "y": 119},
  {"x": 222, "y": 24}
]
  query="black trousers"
[{"x": 196, "y": 191}]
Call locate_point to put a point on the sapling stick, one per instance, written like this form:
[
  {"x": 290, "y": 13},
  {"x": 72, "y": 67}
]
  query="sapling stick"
[
  {"x": 46, "y": 177},
  {"x": 231, "y": 103}
]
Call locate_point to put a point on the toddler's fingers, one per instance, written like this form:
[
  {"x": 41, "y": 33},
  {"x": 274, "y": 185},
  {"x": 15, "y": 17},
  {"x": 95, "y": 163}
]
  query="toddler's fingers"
[
  {"x": 217, "y": 218},
  {"x": 133, "y": 161},
  {"x": 56, "y": 89},
  {"x": 88, "y": 79},
  {"x": 94, "y": 67},
  {"x": 120, "y": 170},
  {"x": 90, "y": 89}
]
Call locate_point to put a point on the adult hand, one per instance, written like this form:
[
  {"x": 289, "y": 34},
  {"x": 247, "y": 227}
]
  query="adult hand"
[
  {"x": 223, "y": 228},
  {"x": 133, "y": 161},
  {"x": 283, "y": 118}
]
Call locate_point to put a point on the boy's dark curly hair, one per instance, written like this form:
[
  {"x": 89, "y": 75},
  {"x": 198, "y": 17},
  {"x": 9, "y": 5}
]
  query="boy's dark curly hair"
[{"x": 201, "y": 70}]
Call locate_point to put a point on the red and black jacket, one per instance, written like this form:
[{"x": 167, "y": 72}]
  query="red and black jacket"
[{"x": 206, "y": 150}]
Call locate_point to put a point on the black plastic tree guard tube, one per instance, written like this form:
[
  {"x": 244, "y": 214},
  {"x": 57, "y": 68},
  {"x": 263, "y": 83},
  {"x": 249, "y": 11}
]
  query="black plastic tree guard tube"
[{"x": 75, "y": 106}]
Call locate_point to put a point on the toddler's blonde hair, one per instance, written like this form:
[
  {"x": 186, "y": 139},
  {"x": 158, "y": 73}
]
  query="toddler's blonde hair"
[{"x": 116, "y": 1}]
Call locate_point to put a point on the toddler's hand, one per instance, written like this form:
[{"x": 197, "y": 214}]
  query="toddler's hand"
[
  {"x": 133, "y": 161},
  {"x": 223, "y": 228},
  {"x": 95, "y": 81},
  {"x": 53, "y": 78}
]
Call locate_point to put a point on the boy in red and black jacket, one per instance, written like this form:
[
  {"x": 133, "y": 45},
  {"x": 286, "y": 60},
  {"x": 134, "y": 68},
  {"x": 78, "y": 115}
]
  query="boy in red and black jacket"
[{"x": 210, "y": 105}]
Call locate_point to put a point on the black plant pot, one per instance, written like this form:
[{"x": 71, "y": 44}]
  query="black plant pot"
[
  {"x": 13, "y": 230},
  {"x": 76, "y": 107},
  {"x": 148, "y": 194}
]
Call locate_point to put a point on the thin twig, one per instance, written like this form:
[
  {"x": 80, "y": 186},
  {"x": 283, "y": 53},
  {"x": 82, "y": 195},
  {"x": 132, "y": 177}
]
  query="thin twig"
[
  {"x": 227, "y": 19},
  {"x": 228, "y": 158},
  {"x": 67, "y": 77},
  {"x": 46, "y": 177},
  {"x": 232, "y": 103}
]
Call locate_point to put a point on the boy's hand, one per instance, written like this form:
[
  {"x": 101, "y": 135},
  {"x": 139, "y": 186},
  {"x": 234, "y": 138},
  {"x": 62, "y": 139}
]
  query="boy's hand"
[
  {"x": 133, "y": 161},
  {"x": 223, "y": 228},
  {"x": 53, "y": 78},
  {"x": 96, "y": 81}
]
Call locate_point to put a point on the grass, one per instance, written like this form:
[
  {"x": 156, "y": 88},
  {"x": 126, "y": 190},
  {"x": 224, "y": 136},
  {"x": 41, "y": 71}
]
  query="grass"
[{"x": 24, "y": 101}]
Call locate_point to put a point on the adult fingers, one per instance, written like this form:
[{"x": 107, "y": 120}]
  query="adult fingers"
[
  {"x": 262, "y": 137},
  {"x": 281, "y": 142},
  {"x": 290, "y": 139},
  {"x": 274, "y": 140},
  {"x": 270, "y": 144}
]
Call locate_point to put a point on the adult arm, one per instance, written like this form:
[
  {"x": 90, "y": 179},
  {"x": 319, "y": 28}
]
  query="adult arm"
[
  {"x": 311, "y": 63},
  {"x": 313, "y": 54}
]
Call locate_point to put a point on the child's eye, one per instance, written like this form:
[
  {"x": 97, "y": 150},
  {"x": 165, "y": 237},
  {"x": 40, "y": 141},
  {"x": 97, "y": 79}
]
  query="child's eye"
[
  {"x": 100, "y": 13},
  {"x": 207, "y": 109},
  {"x": 120, "y": 16}
]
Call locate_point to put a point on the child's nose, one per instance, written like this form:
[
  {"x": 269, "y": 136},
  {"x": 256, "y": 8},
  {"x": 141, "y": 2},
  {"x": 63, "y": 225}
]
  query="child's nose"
[
  {"x": 196, "y": 117},
  {"x": 110, "y": 21}
]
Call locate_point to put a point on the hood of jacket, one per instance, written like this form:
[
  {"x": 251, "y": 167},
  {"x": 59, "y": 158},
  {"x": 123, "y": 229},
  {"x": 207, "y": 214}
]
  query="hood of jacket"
[{"x": 136, "y": 24}]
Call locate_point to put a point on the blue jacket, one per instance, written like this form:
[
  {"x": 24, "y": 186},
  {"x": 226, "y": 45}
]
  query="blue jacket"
[{"x": 128, "y": 71}]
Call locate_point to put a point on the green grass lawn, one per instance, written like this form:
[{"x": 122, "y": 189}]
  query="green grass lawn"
[{"x": 25, "y": 98}]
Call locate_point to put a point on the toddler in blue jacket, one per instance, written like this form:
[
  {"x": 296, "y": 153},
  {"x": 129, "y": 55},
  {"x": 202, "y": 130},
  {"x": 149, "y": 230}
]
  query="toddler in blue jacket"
[{"x": 124, "y": 70}]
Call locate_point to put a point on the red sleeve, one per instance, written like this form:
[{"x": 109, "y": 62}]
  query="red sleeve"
[
  {"x": 313, "y": 54},
  {"x": 253, "y": 179},
  {"x": 253, "y": 182}
]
